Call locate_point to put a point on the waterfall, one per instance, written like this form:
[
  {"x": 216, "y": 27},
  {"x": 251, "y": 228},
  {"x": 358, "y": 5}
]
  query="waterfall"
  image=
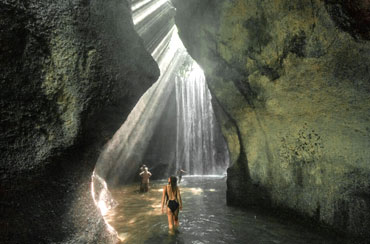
[{"x": 196, "y": 145}]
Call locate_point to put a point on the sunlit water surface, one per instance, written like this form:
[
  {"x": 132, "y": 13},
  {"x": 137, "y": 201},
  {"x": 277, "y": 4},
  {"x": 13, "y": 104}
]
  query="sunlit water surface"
[{"x": 205, "y": 218}]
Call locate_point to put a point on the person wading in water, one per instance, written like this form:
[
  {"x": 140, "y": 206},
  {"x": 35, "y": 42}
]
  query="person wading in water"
[
  {"x": 172, "y": 198},
  {"x": 145, "y": 175},
  {"x": 179, "y": 174}
]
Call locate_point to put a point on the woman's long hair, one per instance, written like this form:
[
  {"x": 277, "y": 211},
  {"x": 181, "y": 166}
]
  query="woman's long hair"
[{"x": 173, "y": 183}]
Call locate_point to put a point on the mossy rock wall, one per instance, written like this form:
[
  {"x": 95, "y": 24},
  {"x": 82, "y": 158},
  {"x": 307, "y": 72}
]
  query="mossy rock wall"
[
  {"x": 291, "y": 87},
  {"x": 70, "y": 72}
]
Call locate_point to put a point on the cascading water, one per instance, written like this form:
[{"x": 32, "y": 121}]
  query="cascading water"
[{"x": 198, "y": 144}]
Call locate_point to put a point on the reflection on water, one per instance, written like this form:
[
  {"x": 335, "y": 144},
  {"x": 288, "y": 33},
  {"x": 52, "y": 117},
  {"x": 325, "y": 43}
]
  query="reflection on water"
[{"x": 205, "y": 218}]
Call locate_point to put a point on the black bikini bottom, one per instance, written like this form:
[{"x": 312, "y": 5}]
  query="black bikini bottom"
[{"x": 173, "y": 205}]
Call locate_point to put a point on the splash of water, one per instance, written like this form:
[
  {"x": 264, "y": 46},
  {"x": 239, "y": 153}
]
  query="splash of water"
[{"x": 102, "y": 198}]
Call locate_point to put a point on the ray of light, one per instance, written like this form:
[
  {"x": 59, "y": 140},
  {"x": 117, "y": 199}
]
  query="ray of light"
[
  {"x": 138, "y": 4},
  {"x": 147, "y": 9},
  {"x": 122, "y": 155}
]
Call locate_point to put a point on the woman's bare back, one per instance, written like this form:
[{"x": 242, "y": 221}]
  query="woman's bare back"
[{"x": 170, "y": 193}]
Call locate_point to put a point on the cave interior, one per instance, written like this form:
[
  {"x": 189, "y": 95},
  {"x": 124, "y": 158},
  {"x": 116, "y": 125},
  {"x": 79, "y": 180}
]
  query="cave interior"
[{"x": 264, "y": 104}]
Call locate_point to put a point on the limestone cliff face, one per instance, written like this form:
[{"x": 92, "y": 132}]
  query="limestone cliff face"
[
  {"x": 70, "y": 73},
  {"x": 291, "y": 82}
]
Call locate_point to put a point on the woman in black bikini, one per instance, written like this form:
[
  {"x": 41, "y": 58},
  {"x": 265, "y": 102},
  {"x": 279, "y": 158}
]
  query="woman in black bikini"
[{"x": 172, "y": 198}]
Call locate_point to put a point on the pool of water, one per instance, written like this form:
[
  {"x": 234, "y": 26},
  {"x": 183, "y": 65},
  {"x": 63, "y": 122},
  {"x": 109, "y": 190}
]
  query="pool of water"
[{"x": 205, "y": 218}]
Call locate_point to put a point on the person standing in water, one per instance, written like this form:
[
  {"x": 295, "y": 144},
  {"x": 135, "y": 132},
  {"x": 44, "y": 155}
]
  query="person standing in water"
[
  {"x": 171, "y": 197},
  {"x": 145, "y": 175},
  {"x": 179, "y": 173}
]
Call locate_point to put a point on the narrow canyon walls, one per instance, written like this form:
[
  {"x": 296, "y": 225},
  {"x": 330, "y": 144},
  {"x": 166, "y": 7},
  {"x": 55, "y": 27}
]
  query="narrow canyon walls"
[{"x": 291, "y": 88}]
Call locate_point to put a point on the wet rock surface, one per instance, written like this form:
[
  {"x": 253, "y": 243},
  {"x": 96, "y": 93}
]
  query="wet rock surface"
[
  {"x": 290, "y": 82},
  {"x": 71, "y": 71}
]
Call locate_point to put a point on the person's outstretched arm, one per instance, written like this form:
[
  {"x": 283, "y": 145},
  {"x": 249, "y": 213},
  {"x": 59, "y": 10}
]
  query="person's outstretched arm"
[{"x": 163, "y": 198}]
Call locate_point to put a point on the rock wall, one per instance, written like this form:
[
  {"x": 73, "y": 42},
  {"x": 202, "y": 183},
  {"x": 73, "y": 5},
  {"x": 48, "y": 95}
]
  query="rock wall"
[
  {"x": 70, "y": 72},
  {"x": 291, "y": 88}
]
